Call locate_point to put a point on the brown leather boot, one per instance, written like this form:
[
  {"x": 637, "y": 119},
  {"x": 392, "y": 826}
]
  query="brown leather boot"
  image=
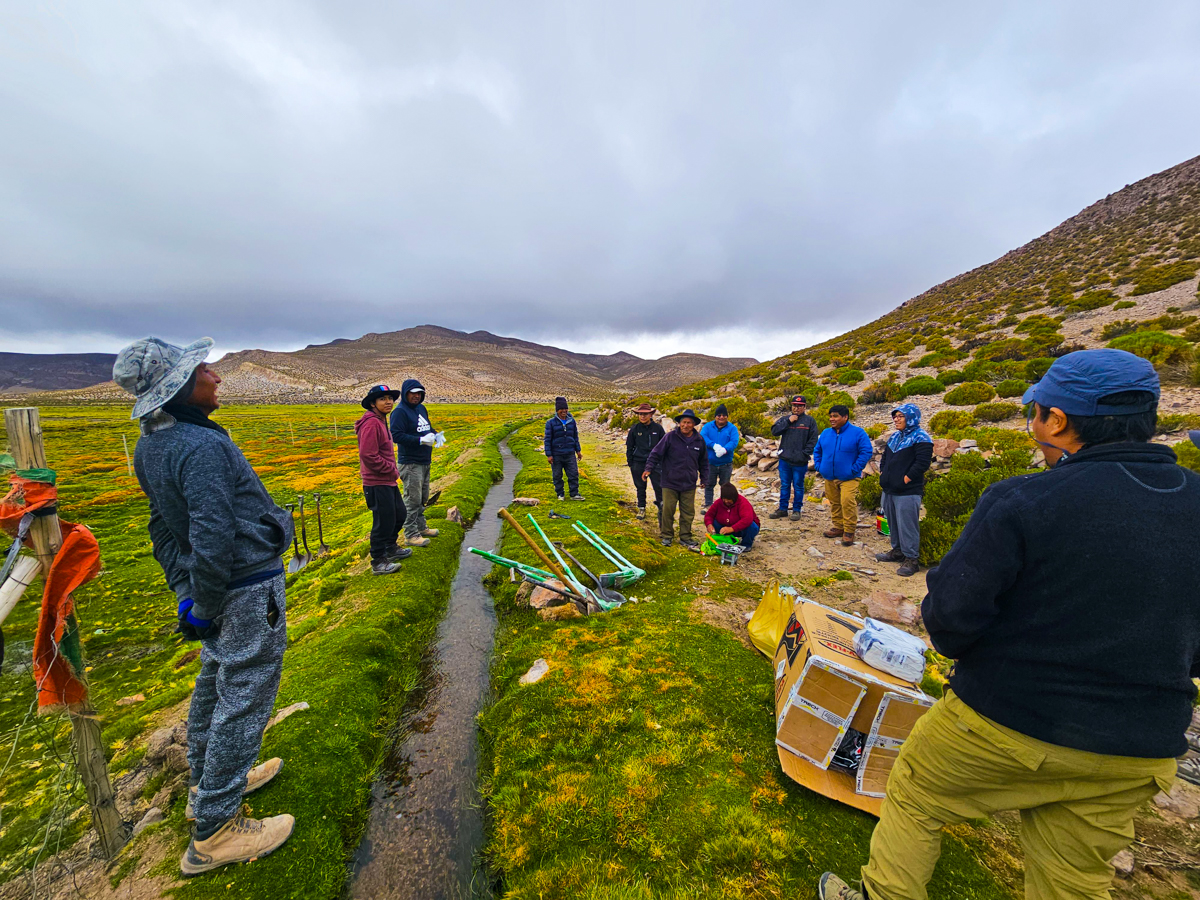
[
  {"x": 834, "y": 532},
  {"x": 848, "y": 539}
]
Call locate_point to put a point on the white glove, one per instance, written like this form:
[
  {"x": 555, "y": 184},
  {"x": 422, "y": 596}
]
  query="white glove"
[
  {"x": 719, "y": 450},
  {"x": 428, "y": 438},
  {"x": 441, "y": 440}
]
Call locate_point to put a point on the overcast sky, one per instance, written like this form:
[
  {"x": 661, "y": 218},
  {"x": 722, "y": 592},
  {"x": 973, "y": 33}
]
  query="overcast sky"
[{"x": 600, "y": 175}]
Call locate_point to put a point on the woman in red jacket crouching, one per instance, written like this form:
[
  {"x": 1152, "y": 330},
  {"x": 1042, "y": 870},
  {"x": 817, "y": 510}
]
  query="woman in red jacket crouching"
[{"x": 733, "y": 515}]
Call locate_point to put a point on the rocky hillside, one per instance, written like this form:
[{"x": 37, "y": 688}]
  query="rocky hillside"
[
  {"x": 21, "y": 373},
  {"x": 1121, "y": 273},
  {"x": 453, "y": 366}
]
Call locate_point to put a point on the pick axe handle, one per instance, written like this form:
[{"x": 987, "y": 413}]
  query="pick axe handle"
[{"x": 541, "y": 554}]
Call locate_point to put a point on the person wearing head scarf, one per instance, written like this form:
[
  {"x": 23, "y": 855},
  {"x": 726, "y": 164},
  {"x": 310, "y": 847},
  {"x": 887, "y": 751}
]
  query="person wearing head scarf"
[{"x": 906, "y": 459}]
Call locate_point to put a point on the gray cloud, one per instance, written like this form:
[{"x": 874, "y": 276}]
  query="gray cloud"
[{"x": 278, "y": 173}]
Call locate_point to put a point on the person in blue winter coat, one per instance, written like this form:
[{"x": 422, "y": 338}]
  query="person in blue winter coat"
[
  {"x": 722, "y": 438},
  {"x": 415, "y": 439},
  {"x": 561, "y": 446},
  {"x": 842, "y": 450}
]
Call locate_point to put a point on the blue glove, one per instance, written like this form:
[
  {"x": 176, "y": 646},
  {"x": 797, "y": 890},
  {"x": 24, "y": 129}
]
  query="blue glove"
[{"x": 191, "y": 627}]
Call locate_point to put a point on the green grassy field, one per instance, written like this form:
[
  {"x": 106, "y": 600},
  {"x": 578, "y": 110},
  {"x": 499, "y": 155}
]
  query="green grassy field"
[
  {"x": 644, "y": 763},
  {"x": 354, "y": 641}
]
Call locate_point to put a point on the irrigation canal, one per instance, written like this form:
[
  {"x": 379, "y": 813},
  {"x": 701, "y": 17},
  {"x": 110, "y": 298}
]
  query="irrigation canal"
[{"x": 426, "y": 824}]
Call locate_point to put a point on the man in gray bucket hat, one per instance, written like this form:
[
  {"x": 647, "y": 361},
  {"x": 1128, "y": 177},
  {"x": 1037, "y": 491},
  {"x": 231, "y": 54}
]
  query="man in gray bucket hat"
[{"x": 219, "y": 539}]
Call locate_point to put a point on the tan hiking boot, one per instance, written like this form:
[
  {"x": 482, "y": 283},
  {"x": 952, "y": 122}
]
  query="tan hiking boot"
[
  {"x": 255, "y": 778},
  {"x": 239, "y": 840},
  {"x": 832, "y": 532},
  {"x": 833, "y": 888},
  {"x": 417, "y": 541},
  {"x": 429, "y": 532},
  {"x": 848, "y": 539}
]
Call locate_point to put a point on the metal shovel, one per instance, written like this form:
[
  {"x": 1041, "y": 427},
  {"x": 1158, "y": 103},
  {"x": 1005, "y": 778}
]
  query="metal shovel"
[
  {"x": 307, "y": 558},
  {"x": 608, "y": 595},
  {"x": 323, "y": 548},
  {"x": 295, "y": 564}
]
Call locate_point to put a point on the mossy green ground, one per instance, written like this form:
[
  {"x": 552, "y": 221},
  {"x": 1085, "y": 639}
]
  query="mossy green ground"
[
  {"x": 644, "y": 763},
  {"x": 355, "y": 641}
]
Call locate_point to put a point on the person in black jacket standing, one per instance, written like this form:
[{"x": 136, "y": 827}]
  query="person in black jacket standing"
[
  {"x": 415, "y": 439},
  {"x": 797, "y": 433},
  {"x": 561, "y": 446},
  {"x": 642, "y": 438},
  {"x": 1069, "y": 607},
  {"x": 906, "y": 459}
]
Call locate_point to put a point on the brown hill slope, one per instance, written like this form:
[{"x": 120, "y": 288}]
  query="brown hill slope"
[
  {"x": 24, "y": 372},
  {"x": 453, "y": 365}
]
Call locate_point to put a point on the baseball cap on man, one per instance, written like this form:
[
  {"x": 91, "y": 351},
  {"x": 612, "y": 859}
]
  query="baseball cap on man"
[
  {"x": 155, "y": 371},
  {"x": 1077, "y": 382},
  {"x": 799, "y": 398}
]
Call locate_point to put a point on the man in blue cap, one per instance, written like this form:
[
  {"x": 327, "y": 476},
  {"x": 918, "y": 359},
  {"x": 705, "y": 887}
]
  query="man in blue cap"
[{"x": 1070, "y": 611}]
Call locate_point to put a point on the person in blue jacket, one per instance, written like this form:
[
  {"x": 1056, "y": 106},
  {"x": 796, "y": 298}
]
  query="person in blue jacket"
[
  {"x": 722, "y": 438},
  {"x": 415, "y": 439},
  {"x": 842, "y": 450},
  {"x": 562, "y": 448}
]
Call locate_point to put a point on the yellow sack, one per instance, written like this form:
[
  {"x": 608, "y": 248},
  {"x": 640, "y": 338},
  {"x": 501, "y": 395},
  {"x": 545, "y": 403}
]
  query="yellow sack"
[{"x": 767, "y": 624}]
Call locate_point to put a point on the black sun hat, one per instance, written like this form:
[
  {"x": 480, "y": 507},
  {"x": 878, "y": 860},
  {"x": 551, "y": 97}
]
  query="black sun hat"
[
  {"x": 379, "y": 390},
  {"x": 688, "y": 414}
]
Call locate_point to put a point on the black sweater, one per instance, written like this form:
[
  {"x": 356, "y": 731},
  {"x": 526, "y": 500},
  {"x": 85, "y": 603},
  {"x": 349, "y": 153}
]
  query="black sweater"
[
  {"x": 640, "y": 441},
  {"x": 912, "y": 461},
  {"x": 1071, "y": 602}
]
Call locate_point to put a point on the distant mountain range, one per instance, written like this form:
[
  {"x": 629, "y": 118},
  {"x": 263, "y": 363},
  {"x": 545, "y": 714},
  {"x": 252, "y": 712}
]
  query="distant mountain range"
[
  {"x": 21, "y": 373},
  {"x": 453, "y": 366}
]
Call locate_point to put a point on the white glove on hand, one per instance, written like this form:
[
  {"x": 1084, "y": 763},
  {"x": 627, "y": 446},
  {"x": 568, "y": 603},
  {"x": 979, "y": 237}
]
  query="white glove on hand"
[
  {"x": 441, "y": 440},
  {"x": 428, "y": 438},
  {"x": 720, "y": 451}
]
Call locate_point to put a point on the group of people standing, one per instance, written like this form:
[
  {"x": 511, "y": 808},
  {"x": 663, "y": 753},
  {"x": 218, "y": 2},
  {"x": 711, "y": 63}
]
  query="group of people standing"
[{"x": 696, "y": 454}]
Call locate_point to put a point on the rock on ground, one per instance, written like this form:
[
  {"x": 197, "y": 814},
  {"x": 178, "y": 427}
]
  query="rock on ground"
[{"x": 895, "y": 609}]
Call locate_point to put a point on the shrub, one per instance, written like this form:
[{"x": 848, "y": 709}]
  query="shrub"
[
  {"x": 1091, "y": 300},
  {"x": 996, "y": 412},
  {"x": 944, "y": 421},
  {"x": 1124, "y": 304},
  {"x": 874, "y": 431},
  {"x": 835, "y": 398},
  {"x": 921, "y": 385},
  {"x": 951, "y": 376},
  {"x": 1177, "y": 422},
  {"x": 1037, "y": 323},
  {"x": 980, "y": 370},
  {"x": 1160, "y": 348},
  {"x": 848, "y": 376},
  {"x": 1036, "y": 368},
  {"x": 970, "y": 393},
  {"x": 1158, "y": 278},
  {"x": 869, "y": 493},
  {"x": 1188, "y": 454},
  {"x": 1011, "y": 387},
  {"x": 887, "y": 391},
  {"x": 1118, "y": 328}
]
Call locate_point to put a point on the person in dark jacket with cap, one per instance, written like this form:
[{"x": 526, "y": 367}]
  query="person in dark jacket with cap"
[
  {"x": 380, "y": 474},
  {"x": 561, "y": 446},
  {"x": 797, "y": 433},
  {"x": 220, "y": 539},
  {"x": 1070, "y": 611},
  {"x": 722, "y": 438},
  {"x": 640, "y": 440},
  {"x": 683, "y": 458},
  {"x": 906, "y": 458},
  {"x": 415, "y": 440}
]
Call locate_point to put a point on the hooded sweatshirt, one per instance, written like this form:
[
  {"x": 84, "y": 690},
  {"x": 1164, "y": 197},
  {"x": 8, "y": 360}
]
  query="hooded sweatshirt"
[
  {"x": 410, "y": 422},
  {"x": 376, "y": 453}
]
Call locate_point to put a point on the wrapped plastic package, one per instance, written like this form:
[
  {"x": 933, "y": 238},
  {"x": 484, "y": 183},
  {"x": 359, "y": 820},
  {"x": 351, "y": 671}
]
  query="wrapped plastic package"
[{"x": 894, "y": 651}]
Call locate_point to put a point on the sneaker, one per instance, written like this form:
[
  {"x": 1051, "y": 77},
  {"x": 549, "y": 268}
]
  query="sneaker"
[
  {"x": 396, "y": 553},
  {"x": 384, "y": 566},
  {"x": 561, "y": 497},
  {"x": 832, "y": 532},
  {"x": 417, "y": 541},
  {"x": 795, "y": 516},
  {"x": 255, "y": 778},
  {"x": 666, "y": 542},
  {"x": 429, "y": 532},
  {"x": 893, "y": 555},
  {"x": 577, "y": 496},
  {"x": 910, "y": 567},
  {"x": 641, "y": 513},
  {"x": 833, "y": 888},
  {"x": 1189, "y": 770},
  {"x": 238, "y": 840},
  {"x": 690, "y": 543},
  {"x": 777, "y": 514}
]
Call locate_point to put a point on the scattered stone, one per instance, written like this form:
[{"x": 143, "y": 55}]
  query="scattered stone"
[
  {"x": 153, "y": 816},
  {"x": 895, "y": 609},
  {"x": 815, "y": 553},
  {"x": 131, "y": 787},
  {"x": 1183, "y": 801},
  {"x": 544, "y": 598},
  {"x": 179, "y": 733},
  {"x": 453, "y": 515},
  {"x": 523, "y": 591},
  {"x": 156, "y": 746},
  {"x": 1123, "y": 863},
  {"x": 129, "y": 701},
  {"x": 285, "y": 712},
  {"x": 169, "y": 792},
  {"x": 175, "y": 759},
  {"x": 539, "y": 668},
  {"x": 566, "y": 611},
  {"x": 525, "y": 501},
  {"x": 943, "y": 448}
]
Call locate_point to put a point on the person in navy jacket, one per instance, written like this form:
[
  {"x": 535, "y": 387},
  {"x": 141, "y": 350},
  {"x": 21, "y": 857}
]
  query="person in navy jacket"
[{"x": 562, "y": 448}]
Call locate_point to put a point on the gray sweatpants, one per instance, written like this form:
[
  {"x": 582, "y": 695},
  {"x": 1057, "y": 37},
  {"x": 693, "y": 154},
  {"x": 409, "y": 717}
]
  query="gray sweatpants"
[
  {"x": 415, "y": 478},
  {"x": 904, "y": 522},
  {"x": 234, "y": 695}
]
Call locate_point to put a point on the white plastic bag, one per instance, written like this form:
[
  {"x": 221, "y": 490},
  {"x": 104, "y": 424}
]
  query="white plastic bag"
[{"x": 893, "y": 651}]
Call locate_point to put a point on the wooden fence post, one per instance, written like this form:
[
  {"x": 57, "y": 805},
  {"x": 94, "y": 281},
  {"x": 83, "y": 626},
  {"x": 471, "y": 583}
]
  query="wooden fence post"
[{"x": 29, "y": 451}]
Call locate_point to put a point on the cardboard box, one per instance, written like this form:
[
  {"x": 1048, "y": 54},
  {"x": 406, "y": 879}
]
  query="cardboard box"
[{"x": 822, "y": 689}]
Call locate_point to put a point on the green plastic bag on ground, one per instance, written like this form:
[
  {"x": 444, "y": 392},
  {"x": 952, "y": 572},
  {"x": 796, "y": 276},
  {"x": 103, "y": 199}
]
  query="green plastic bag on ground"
[{"x": 712, "y": 543}]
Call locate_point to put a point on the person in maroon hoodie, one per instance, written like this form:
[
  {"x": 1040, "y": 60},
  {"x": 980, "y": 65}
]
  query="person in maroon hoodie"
[
  {"x": 733, "y": 514},
  {"x": 377, "y": 465}
]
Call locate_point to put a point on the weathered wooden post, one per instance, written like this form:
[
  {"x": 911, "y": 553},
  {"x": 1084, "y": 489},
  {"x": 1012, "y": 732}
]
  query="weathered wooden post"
[{"x": 29, "y": 452}]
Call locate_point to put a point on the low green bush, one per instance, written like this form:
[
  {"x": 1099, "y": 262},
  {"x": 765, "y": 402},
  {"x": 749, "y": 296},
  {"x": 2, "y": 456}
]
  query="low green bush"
[
  {"x": 970, "y": 393},
  {"x": 869, "y": 493},
  {"x": 1188, "y": 455},
  {"x": 1036, "y": 368},
  {"x": 922, "y": 385},
  {"x": 1158, "y": 278},
  {"x": 951, "y": 376},
  {"x": 1124, "y": 304},
  {"x": 1160, "y": 348},
  {"x": 836, "y": 398},
  {"x": 1178, "y": 422},
  {"x": 948, "y": 419},
  {"x": 996, "y": 412},
  {"x": 848, "y": 376},
  {"x": 1011, "y": 387},
  {"x": 1091, "y": 300},
  {"x": 981, "y": 370},
  {"x": 886, "y": 391}
]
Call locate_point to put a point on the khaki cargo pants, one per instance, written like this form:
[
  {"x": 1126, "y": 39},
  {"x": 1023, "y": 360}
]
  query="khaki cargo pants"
[
  {"x": 843, "y": 503},
  {"x": 686, "y": 502},
  {"x": 1076, "y": 807}
]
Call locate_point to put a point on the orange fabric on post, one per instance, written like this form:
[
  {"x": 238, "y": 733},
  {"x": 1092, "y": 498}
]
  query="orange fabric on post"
[{"x": 57, "y": 670}]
